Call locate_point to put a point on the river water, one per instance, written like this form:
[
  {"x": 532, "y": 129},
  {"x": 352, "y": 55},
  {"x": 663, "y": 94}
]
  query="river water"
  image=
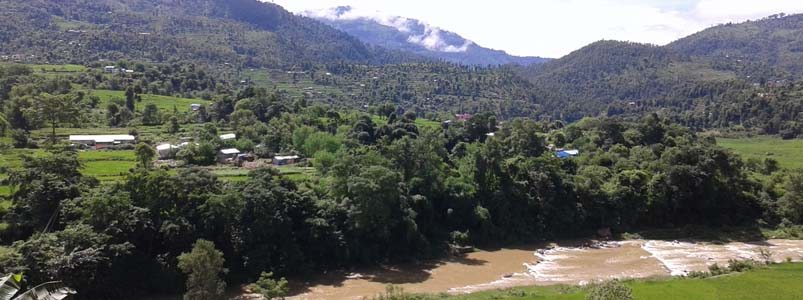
[{"x": 565, "y": 263}]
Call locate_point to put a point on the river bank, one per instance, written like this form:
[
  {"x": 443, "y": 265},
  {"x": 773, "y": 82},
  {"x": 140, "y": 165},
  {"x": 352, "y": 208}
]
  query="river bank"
[{"x": 565, "y": 263}]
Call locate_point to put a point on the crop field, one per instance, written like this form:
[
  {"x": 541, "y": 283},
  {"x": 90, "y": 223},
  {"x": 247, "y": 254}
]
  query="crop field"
[
  {"x": 788, "y": 153},
  {"x": 164, "y": 103},
  {"x": 777, "y": 282}
]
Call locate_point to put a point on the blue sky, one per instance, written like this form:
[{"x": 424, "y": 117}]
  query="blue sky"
[{"x": 553, "y": 28}]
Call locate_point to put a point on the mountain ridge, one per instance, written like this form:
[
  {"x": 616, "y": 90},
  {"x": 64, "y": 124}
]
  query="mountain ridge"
[{"x": 400, "y": 33}]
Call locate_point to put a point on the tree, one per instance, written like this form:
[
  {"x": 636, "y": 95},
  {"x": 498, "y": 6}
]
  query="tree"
[
  {"x": 52, "y": 109},
  {"x": 144, "y": 155},
  {"x": 130, "y": 99},
  {"x": 792, "y": 202},
  {"x": 150, "y": 115},
  {"x": 42, "y": 184},
  {"x": 174, "y": 127},
  {"x": 203, "y": 266},
  {"x": 3, "y": 124},
  {"x": 269, "y": 287}
]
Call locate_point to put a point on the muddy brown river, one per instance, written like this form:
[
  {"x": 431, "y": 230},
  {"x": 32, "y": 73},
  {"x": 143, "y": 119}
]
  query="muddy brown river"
[{"x": 565, "y": 263}]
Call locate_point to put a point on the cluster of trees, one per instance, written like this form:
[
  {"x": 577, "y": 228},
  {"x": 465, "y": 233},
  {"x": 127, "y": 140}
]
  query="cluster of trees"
[{"x": 383, "y": 192}]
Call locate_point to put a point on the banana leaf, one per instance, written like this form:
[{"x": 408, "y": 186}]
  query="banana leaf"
[
  {"x": 47, "y": 291},
  {"x": 9, "y": 286}
]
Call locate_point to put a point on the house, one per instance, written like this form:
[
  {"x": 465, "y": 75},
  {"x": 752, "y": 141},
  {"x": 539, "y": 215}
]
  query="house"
[
  {"x": 463, "y": 117},
  {"x": 566, "y": 153},
  {"x": 110, "y": 69},
  {"x": 285, "y": 160},
  {"x": 227, "y": 137},
  {"x": 168, "y": 151},
  {"x": 102, "y": 141},
  {"x": 227, "y": 155},
  {"x": 195, "y": 106}
]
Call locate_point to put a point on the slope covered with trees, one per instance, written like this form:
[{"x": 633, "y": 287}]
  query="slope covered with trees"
[
  {"x": 737, "y": 75},
  {"x": 238, "y": 32}
]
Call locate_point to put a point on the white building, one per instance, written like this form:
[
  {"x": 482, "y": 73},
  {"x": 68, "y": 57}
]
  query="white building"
[
  {"x": 227, "y": 155},
  {"x": 102, "y": 141},
  {"x": 229, "y": 136}
]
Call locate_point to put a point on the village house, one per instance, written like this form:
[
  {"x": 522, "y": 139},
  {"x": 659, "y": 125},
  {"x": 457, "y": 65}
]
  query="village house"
[
  {"x": 110, "y": 69},
  {"x": 463, "y": 117},
  {"x": 227, "y": 155},
  {"x": 102, "y": 141},
  {"x": 285, "y": 160},
  {"x": 562, "y": 154},
  {"x": 226, "y": 137},
  {"x": 195, "y": 107}
]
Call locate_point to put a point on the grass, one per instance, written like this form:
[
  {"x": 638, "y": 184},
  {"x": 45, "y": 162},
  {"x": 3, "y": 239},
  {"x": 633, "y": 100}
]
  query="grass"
[
  {"x": 107, "y": 166},
  {"x": 104, "y": 165},
  {"x": 788, "y": 153},
  {"x": 164, "y": 103},
  {"x": 47, "y": 69},
  {"x": 293, "y": 173},
  {"x": 775, "y": 282}
]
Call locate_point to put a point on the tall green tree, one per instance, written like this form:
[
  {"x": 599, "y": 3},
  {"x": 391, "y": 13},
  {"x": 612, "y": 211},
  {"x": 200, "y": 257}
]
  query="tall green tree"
[
  {"x": 150, "y": 115},
  {"x": 145, "y": 155},
  {"x": 204, "y": 268},
  {"x": 55, "y": 109}
]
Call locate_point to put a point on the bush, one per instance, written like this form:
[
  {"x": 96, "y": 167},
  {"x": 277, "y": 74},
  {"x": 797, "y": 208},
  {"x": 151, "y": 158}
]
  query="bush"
[
  {"x": 20, "y": 138},
  {"x": 611, "y": 290},
  {"x": 740, "y": 265},
  {"x": 269, "y": 287}
]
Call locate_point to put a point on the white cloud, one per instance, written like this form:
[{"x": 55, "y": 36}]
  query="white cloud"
[
  {"x": 554, "y": 28},
  {"x": 427, "y": 36}
]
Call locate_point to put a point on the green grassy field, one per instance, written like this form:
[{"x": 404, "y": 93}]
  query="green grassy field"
[
  {"x": 48, "y": 69},
  {"x": 788, "y": 153},
  {"x": 783, "y": 281},
  {"x": 107, "y": 166},
  {"x": 164, "y": 103}
]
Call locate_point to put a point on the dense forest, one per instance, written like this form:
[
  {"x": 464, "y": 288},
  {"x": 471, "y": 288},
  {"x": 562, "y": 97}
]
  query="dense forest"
[
  {"x": 242, "y": 32},
  {"x": 384, "y": 188},
  {"x": 356, "y": 155}
]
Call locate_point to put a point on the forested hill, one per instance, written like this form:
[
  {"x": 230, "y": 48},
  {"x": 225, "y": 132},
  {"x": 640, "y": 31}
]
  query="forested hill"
[
  {"x": 208, "y": 31},
  {"x": 767, "y": 48},
  {"x": 744, "y": 74}
]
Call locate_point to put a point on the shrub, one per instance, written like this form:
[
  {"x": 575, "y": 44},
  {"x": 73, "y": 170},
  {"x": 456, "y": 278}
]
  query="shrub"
[
  {"x": 611, "y": 290},
  {"x": 740, "y": 265},
  {"x": 269, "y": 287}
]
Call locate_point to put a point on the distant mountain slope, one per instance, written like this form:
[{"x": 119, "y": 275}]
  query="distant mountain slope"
[
  {"x": 736, "y": 74},
  {"x": 770, "y": 47},
  {"x": 415, "y": 36},
  {"x": 236, "y": 31}
]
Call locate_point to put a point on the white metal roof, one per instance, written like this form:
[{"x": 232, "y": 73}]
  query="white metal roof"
[
  {"x": 230, "y": 151},
  {"x": 102, "y": 138},
  {"x": 165, "y": 147},
  {"x": 229, "y": 136},
  {"x": 286, "y": 157}
]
